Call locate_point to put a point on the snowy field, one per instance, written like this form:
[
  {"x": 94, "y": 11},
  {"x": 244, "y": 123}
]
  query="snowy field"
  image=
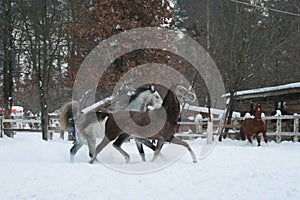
[{"x": 34, "y": 169}]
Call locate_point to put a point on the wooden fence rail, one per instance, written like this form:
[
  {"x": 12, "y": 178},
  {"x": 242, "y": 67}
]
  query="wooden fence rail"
[{"x": 18, "y": 125}]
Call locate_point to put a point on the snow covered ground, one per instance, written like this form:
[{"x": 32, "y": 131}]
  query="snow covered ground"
[{"x": 34, "y": 169}]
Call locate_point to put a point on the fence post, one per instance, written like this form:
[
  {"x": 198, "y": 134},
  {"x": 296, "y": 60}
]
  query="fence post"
[
  {"x": 1, "y": 128},
  {"x": 62, "y": 135},
  {"x": 50, "y": 134},
  {"x": 201, "y": 126},
  {"x": 197, "y": 127},
  {"x": 278, "y": 130},
  {"x": 199, "y": 122},
  {"x": 209, "y": 131},
  {"x": 296, "y": 129},
  {"x": 235, "y": 123}
]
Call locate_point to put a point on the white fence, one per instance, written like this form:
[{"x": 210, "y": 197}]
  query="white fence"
[
  {"x": 277, "y": 127},
  {"x": 28, "y": 125}
]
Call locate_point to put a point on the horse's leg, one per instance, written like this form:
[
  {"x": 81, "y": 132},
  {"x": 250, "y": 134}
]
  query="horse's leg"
[
  {"x": 126, "y": 155},
  {"x": 265, "y": 136},
  {"x": 146, "y": 142},
  {"x": 158, "y": 148},
  {"x": 242, "y": 133},
  {"x": 77, "y": 145},
  {"x": 178, "y": 141},
  {"x": 264, "y": 133},
  {"x": 139, "y": 146},
  {"x": 92, "y": 146},
  {"x": 249, "y": 138},
  {"x": 99, "y": 148},
  {"x": 117, "y": 144},
  {"x": 258, "y": 139},
  {"x": 121, "y": 139}
]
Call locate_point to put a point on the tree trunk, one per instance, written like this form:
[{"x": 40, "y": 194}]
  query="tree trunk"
[
  {"x": 230, "y": 112},
  {"x": 44, "y": 118},
  {"x": 7, "y": 64},
  {"x": 228, "y": 115}
]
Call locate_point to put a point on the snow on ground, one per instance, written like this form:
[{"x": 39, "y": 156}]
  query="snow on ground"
[{"x": 34, "y": 169}]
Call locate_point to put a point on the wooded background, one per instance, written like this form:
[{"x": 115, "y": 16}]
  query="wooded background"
[{"x": 43, "y": 42}]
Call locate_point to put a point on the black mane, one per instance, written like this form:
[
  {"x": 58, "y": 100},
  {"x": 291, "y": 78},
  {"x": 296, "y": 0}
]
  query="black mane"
[{"x": 171, "y": 105}]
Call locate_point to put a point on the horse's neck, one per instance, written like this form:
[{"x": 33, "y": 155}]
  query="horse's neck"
[
  {"x": 257, "y": 116},
  {"x": 171, "y": 106},
  {"x": 170, "y": 101}
]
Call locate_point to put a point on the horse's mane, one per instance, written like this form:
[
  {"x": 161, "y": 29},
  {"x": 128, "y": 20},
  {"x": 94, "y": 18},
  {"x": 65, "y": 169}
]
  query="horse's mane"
[
  {"x": 170, "y": 96},
  {"x": 138, "y": 91},
  {"x": 171, "y": 104}
]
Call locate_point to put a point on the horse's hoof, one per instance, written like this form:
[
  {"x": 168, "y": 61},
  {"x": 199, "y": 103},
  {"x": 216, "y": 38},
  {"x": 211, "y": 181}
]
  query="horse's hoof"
[
  {"x": 195, "y": 161},
  {"x": 127, "y": 159},
  {"x": 72, "y": 160},
  {"x": 91, "y": 161}
]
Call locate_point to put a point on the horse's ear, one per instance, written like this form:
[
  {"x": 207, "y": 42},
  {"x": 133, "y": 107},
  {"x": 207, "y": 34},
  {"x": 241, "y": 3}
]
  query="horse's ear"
[
  {"x": 152, "y": 89},
  {"x": 258, "y": 107}
]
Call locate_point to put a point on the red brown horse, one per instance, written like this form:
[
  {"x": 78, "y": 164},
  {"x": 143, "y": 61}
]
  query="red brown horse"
[
  {"x": 254, "y": 126},
  {"x": 91, "y": 125},
  {"x": 170, "y": 107}
]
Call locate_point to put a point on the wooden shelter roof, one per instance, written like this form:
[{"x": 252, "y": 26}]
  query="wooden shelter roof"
[{"x": 283, "y": 92}]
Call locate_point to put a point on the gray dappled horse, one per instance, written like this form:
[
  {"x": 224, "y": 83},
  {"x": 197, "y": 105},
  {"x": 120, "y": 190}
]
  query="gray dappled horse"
[{"x": 91, "y": 125}]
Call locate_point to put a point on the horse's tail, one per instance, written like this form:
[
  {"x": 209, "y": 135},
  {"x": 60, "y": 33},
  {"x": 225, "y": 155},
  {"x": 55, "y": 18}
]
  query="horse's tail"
[
  {"x": 242, "y": 132},
  {"x": 69, "y": 111}
]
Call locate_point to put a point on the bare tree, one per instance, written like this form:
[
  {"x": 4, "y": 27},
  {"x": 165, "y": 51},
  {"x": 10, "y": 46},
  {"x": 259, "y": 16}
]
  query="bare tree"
[
  {"x": 42, "y": 22},
  {"x": 7, "y": 56},
  {"x": 252, "y": 46}
]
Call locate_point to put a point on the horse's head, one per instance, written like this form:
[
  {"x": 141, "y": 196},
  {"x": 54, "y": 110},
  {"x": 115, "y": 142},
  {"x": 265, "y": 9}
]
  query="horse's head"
[
  {"x": 257, "y": 111},
  {"x": 154, "y": 99},
  {"x": 145, "y": 97}
]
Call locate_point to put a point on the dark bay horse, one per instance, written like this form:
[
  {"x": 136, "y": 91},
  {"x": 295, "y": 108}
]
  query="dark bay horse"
[
  {"x": 171, "y": 108},
  {"x": 254, "y": 126}
]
